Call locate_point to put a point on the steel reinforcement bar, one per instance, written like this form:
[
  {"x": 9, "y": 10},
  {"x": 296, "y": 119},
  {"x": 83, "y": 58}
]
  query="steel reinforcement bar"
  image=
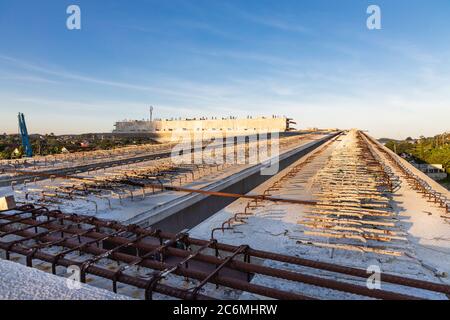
[{"x": 55, "y": 229}]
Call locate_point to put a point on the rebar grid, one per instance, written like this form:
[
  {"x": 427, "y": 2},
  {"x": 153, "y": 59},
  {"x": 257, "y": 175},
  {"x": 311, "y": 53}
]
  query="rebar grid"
[{"x": 32, "y": 231}]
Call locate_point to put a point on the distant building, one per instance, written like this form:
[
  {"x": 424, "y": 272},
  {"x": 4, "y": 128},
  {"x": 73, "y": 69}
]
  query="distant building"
[
  {"x": 84, "y": 144},
  {"x": 407, "y": 156},
  {"x": 162, "y": 130},
  {"x": 434, "y": 171},
  {"x": 411, "y": 140}
]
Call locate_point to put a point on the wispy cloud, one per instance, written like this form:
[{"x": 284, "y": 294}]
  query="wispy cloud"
[
  {"x": 404, "y": 48},
  {"x": 206, "y": 27},
  {"x": 247, "y": 55},
  {"x": 281, "y": 23},
  {"x": 64, "y": 74},
  {"x": 26, "y": 78},
  {"x": 99, "y": 106},
  {"x": 72, "y": 76}
]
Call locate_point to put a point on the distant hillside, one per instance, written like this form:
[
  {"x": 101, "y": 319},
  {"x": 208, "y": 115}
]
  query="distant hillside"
[
  {"x": 427, "y": 150},
  {"x": 385, "y": 140},
  {"x": 51, "y": 144}
]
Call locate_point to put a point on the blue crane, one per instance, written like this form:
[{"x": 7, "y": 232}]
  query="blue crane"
[{"x": 25, "y": 138}]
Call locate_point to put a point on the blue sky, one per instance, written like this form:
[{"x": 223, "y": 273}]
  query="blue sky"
[{"x": 315, "y": 61}]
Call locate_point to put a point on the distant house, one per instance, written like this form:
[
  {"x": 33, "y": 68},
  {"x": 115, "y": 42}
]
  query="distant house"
[
  {"x": 434, "y": 171},
  {"x": 411, "y": 140},
  {"x": 407, "y": 156},
  {"x": 84, "y": 144}
]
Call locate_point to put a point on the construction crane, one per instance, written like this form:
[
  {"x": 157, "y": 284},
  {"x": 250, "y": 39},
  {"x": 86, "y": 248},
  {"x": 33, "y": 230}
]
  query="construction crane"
[
  {"x": 151, "y": 113},
  {"x": 25, "y": 138}
]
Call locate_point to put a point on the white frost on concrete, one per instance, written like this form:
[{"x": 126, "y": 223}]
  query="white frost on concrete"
[{"x": 18, "y": 282}]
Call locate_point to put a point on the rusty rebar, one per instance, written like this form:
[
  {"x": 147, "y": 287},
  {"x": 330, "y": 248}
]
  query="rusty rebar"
[{"x": 238, "y": 265}]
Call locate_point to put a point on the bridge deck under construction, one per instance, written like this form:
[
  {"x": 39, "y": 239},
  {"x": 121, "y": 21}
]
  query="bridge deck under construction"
[{"x": 308, "y": 232}]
